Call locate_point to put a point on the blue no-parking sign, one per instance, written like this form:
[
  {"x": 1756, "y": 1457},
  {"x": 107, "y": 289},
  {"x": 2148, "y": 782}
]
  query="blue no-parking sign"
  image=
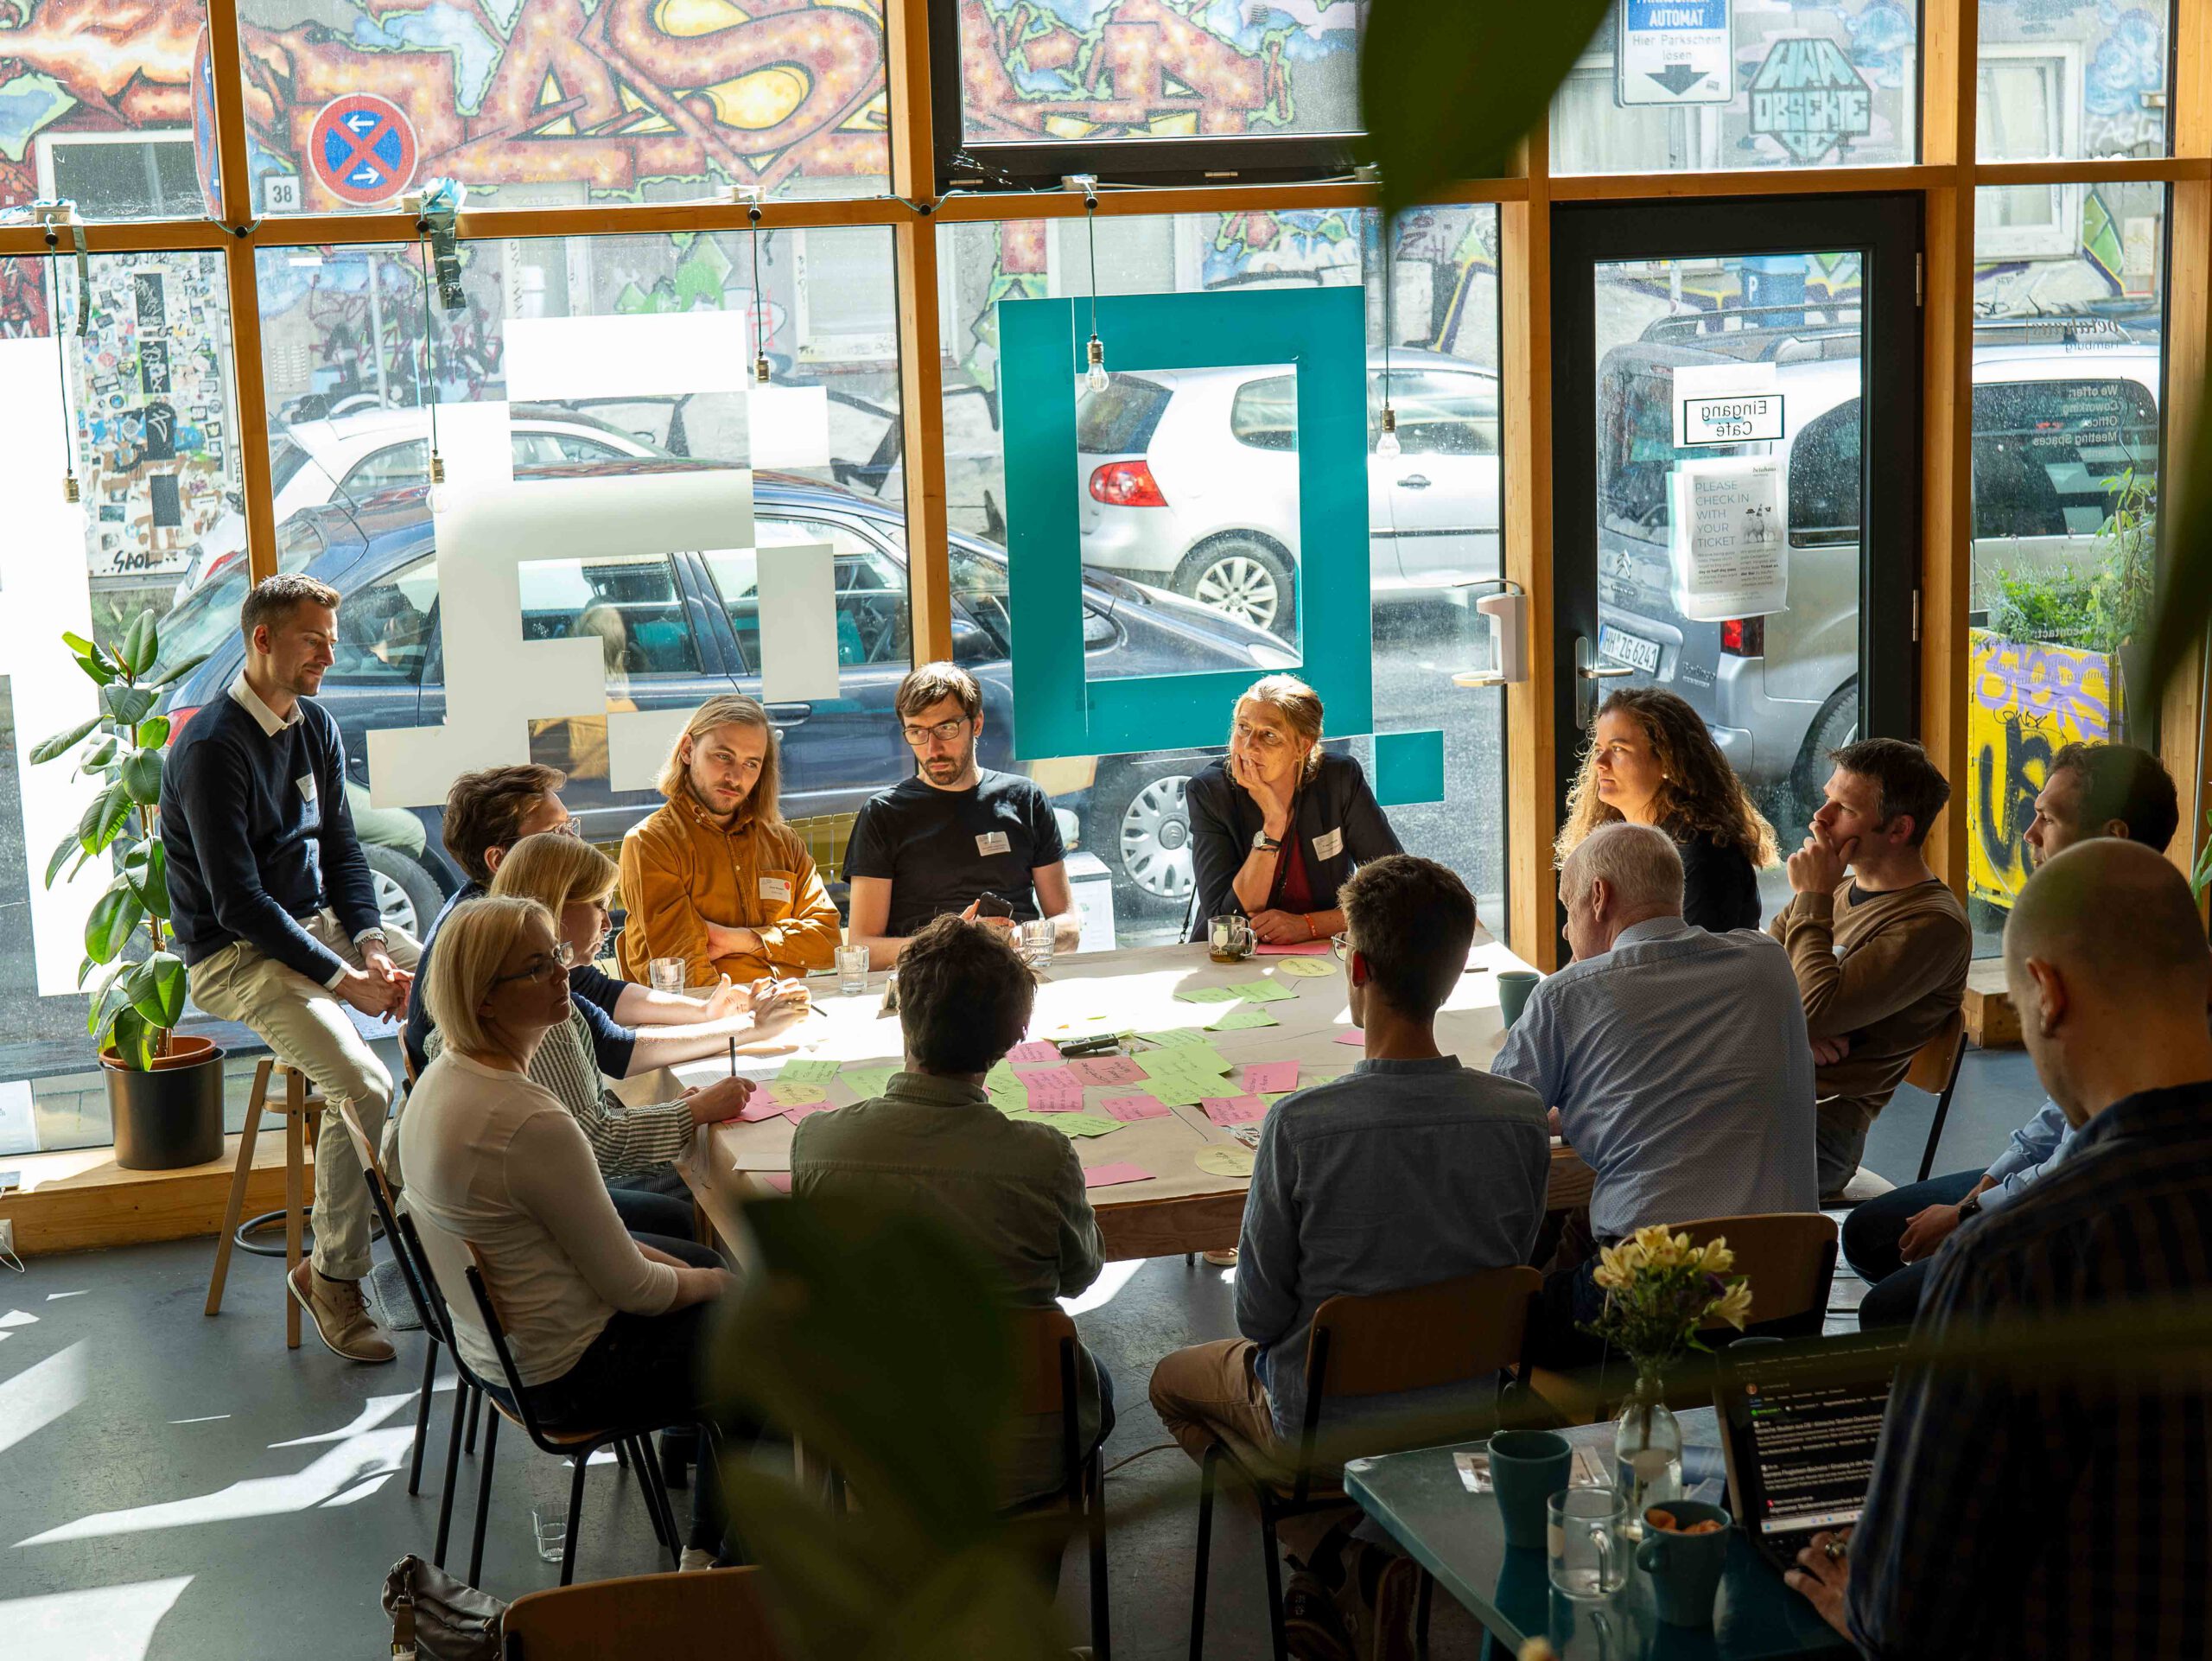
[{"x": 362, "y": 149}]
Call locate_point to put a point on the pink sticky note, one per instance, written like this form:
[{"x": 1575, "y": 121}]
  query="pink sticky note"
[
  {"x": 1053, "y": 1090},
  {"x": 1297, "y": 949},
  {"x": 1129, "y": 1109},
  {"x": 1271, "y": 1078},
  {"x": 1109, "y": 1070},
  {"x": 1354, "y": 1036},
  {"x": 779, "y": 1180},
  {"x": 795, "y": 1114},
  {"x": 759, "y": 1105},
  {"x": 1105, "y": 1176},
  {"x": 1036, "y": 1049},
  {"x": 1247, "y": 1109}
]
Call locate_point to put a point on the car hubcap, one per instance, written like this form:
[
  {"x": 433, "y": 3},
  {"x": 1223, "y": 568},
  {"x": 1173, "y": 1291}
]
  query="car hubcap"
[
  {"x": 392, "y": 904},
  {"x": 1156, "y": 839},
  {"x": 1242, "y": 587}
]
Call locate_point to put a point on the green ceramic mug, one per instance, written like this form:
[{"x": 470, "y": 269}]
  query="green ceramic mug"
[
  {"x": 1684, "y": 1569},
  {"x": 1527, "y": 1467},
  {"x": 1514, "y": 986}
]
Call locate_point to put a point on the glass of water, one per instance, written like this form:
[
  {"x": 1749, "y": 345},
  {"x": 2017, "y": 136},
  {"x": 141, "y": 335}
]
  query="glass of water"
[
  {"x": 1037, "y": 937},
  {"x": 852, "y": 969},
  {"x": 1588, "y": 1557},
  {"x": 667, "y": 973}
]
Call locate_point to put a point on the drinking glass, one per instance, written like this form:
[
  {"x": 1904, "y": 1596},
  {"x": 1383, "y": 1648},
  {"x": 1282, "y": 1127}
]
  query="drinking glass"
[
  {"x": 666, "y": 973},
  {"x": 852, "y": 969},
  {"x": 1037, "y": 937},
  {"x": 1588, "y": 1558},
  {"x": 1230, "y": 938}
]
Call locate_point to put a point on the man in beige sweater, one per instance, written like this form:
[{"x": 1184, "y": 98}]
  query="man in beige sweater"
[{"x": 1881, "y": 945}]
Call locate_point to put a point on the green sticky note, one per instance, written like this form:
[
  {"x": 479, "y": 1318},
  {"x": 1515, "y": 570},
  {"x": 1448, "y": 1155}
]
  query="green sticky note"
[
  {"x": 868, "y": 1081},
  {"x": 1072, "y": 1124},
  {"x": 1011, "y": 1102},
  {"x": 1241, "y": 1017},
  {"x": 1001, "y": 1077},
  {"x": 1206, "y": 995},
  {"x": 1262, "y": 992},
  {"x": 1184, "y": 1090},
  {"x": 1181, "y": 1037},
  {"x": 807, "y": 1072},
  {"x": 1199, "y": 1060}
]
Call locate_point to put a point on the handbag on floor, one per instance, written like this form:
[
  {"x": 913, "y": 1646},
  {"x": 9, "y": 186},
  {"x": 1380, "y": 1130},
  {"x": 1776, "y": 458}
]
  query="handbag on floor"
[{"x": 437, "y": 1618}]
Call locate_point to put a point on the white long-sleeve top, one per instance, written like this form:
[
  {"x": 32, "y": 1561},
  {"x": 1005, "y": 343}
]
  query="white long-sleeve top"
[{"x": 495, "y": 1161}]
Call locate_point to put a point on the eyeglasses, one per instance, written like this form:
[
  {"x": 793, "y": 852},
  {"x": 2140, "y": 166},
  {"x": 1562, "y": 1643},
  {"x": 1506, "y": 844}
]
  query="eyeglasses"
[
  {"x": 567, "y": 827},
  {"x": 947, "y": 731},
  {"x": 556, "y": 963},
  {"x": 1341, "y": 945}
]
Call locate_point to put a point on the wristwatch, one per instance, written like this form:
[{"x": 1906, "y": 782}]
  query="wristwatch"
[
  {"x": 1969, "y": 1206},
  {"x": 1264, "y": 844}
]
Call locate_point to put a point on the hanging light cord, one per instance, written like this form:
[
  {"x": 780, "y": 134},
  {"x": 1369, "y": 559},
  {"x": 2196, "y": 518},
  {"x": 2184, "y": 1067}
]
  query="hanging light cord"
[
  {"x": 1090, "y": 232},
  {"x": 430, "y": 370},
  {"x": 759, "y": 300},
  {"x": 61, "y": 366}
]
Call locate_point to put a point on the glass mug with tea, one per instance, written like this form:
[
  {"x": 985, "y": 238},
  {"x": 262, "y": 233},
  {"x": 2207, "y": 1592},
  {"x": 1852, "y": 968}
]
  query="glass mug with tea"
[{"x": 1230, "y": 938}]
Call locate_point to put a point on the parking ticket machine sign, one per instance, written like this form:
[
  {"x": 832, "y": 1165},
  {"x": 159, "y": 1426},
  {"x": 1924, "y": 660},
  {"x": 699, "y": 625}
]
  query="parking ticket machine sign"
[{"x": 1675, "y": 52}]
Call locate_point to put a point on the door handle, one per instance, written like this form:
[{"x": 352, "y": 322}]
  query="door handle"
[
  {"x": 1588, "y": 672},
  {"x": 783, "y": 715},
  {"x": 1414, "y": 481}
]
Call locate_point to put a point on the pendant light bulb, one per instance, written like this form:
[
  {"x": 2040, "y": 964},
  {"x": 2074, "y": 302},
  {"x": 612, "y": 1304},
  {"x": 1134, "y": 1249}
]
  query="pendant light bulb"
[
  {"x": 760, "y": 370},
  {"x": 1095, "y": 377},
  {"x": 1387, "y": 445}
]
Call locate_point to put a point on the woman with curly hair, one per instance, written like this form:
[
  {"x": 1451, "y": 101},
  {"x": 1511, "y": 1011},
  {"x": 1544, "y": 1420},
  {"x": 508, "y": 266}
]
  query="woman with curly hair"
[{"x": 1651, "y": 761}]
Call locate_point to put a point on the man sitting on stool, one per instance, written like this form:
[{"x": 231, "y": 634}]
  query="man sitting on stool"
[
  {"x": 277, "y": 919},
  {"x": 2091, "y": 790}
]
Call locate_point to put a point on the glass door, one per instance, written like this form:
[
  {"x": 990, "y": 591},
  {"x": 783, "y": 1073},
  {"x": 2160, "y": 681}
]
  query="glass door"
[{"x": 1737, "y": 464}]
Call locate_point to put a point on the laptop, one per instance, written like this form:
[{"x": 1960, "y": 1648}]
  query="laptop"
[{"x": 1798, "y": 1429}]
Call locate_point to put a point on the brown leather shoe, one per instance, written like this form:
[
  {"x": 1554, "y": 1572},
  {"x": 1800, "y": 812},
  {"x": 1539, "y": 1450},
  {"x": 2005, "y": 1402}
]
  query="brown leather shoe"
[{"x": 341, "y": 1319}]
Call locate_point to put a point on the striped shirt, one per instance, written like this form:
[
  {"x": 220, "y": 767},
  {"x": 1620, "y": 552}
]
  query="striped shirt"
[
  {"x": 625, "y": 1140},
  {"x": 1679, "y": 1064},
  {"x": 2060, "y": 1505}
]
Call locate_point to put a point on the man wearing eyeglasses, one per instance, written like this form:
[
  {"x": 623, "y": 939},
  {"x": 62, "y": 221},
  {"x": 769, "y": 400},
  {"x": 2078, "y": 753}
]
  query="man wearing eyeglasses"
[{"x": 955, "y": 838}]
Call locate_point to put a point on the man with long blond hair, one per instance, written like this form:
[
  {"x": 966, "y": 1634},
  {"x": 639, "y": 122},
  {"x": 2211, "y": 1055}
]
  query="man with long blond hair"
[{"x": 716, "y": 877}]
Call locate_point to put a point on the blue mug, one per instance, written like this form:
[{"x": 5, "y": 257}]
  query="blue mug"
[
  {"x": 1527, "y": 1467},
  {"x": 1684, "y": 1569}
]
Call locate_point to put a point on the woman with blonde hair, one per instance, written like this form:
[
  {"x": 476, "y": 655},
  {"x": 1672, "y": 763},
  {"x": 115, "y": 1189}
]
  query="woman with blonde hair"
[
  {"x": 1279, "y": 823},
  {"x": 1651, "y": 761},
  {"x": 600, "y": 1325},
  {"x": 714, "y": 877}
]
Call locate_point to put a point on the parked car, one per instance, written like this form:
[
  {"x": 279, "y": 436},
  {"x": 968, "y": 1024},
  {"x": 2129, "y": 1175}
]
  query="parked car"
[
  {"x": 353, "y": 455},
  {"x": 678, "y": 628},
  {"x": 1190, "y": 482},
  {"x": 2055, "y": 417}
]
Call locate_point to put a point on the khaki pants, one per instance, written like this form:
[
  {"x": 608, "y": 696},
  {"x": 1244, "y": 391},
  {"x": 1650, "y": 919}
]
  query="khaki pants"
[
  {"x": 308, "y": 1028},
  {"x": 1212, "y": 1391}
]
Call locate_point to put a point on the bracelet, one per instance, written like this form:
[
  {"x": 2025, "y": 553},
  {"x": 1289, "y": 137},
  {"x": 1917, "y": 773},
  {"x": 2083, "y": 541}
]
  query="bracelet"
[{"x": 1311, "y": 933}]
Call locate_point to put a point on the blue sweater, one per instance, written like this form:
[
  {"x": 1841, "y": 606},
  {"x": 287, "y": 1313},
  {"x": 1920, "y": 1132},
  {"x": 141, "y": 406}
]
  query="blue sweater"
[{"x": 250, "y": 849}]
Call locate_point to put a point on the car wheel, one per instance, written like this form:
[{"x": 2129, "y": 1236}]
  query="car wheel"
[
  {"x": 1836, "y": 725},
  {"x": 1246, "y": 577},
  {"x": 1141, "y": 827},
  {"x": 407, "y": 896}
]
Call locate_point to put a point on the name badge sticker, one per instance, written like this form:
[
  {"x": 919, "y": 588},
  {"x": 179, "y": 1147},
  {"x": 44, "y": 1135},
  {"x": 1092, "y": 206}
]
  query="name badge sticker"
[
  {"x": 776, "y": 888},
  {"x": 1329, "y": 844},
  {"x": 992, "y": 842},
  {"x": 305, "y": 783}
]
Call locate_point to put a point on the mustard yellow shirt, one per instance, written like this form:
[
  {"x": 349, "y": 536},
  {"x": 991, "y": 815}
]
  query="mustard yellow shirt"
[{"x": 681, "y": 871}]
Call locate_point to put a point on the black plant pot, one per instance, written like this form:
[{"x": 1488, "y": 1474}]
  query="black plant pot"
[{"x": 171, "y": 1116}]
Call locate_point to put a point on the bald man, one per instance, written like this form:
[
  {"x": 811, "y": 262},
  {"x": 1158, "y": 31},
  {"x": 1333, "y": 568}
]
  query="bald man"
[{"x": 2060, "y": 1504}]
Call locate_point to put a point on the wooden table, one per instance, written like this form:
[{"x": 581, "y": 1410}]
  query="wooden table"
[
  {"x": 1460, "y": 1539},
  {"x": 1182, "y": 1208}
]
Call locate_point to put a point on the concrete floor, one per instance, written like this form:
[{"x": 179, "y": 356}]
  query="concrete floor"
[{"x": 179, "y": 1487}]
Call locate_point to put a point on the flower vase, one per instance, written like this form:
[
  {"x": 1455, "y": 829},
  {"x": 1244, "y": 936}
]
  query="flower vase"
[{"x": 1647, "y": 1448}]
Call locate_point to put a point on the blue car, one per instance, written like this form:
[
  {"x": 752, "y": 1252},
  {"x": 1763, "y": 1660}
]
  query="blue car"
[{"x": 678, "y": 628}]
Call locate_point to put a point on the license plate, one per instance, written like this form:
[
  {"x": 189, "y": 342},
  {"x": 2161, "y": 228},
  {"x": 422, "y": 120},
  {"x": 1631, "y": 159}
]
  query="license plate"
[{"x": 1630, "y": 649}]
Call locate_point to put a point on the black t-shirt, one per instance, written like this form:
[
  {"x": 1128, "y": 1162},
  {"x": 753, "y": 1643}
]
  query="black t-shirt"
[
  {"x": 940, "y": 849},
  {"x": 1720, "y": 890}
]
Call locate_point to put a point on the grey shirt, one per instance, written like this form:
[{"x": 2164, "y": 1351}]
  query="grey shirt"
[
  {"x": 1683, "y": 1074},
  {"x": 1399, "y": 1175}
]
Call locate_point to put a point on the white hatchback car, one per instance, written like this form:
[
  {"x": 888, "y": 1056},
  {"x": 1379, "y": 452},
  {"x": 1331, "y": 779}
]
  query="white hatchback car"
[
  {"x": 313, "y": 462},
  {"x": 1189, "y": 482}
]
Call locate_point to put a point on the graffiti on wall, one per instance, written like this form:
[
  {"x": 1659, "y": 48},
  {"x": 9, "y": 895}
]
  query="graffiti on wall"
[
  {"x": 610, "y": 96},
  {"x": 2028, "y": 701}
]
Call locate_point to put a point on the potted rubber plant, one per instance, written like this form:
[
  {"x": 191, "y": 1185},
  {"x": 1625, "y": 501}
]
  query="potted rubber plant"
[{"x": 165, "y": 1092}]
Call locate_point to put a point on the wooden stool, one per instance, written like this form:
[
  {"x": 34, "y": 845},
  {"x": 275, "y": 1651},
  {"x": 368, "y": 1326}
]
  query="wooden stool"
[{"x": 301, "y": 1109}]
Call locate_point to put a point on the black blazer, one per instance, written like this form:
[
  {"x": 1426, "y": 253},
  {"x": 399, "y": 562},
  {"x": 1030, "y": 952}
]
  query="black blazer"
[
  {"x": 1720, "y": 890},
  {"x": 1335, "y": 802}
]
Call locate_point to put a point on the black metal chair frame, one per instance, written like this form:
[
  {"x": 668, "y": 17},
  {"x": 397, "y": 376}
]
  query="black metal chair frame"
[
  {"x": 1084, "y": 1490},
  {"x": 1942, "y": 1110}
]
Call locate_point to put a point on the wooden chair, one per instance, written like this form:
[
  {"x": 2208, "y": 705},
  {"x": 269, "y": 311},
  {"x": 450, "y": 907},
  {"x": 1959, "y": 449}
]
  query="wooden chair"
[
  {"x": 1047, "y": 1358},
  {"x": 1457, "y": 1331},
  {"x": 301, "y": 1109},
  {"x": 1790, "y": 1259},
  {"x": 721, "y": 1615},
  {"x": 1936, "y": 1070}
]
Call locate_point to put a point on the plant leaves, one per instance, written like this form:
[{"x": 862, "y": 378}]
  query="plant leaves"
[
  {"x": 140, "y": 645},
  {"x": 153, "y": 732},
  {"x": 69, "y": 845},
  {"x": 134, "y": 1038},
  {"x": 99, "y": 757},
  {"x": 2184, "y": 605},
  {"x": 62, "y": 743},
  {"x": 156, "y": 989},
  {"x": 142, "y": 777},
  {"x": 178, "y": 670},
  {"x": 78, "y": 644},
  {"x": 103, "y": 816},
  {"x": 1447, "y": 87},
  {"x": 115, "y": 916},
  {"x": 129, "y": 704},
  {"x": 107, "y": 999},
  {"x": 146, "y": 868}
]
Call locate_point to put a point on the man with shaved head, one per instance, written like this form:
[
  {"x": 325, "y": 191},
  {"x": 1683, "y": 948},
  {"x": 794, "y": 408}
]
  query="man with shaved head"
[{"x": 2055, "y": 1499}]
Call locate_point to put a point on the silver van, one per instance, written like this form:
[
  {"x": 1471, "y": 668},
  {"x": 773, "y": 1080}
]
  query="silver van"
[{"x": 2060, "y": 407}]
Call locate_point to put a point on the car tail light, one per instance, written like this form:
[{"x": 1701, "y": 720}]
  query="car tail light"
[
  {"x": 1743, "y": 637},
  {"x": 222, "y": 562},
  {"x": 178, "y": 717},
  {"x": 1126, "y": 483}
]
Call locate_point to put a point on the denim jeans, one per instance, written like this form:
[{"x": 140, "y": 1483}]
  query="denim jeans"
[{"x": 1871, "y": 1234}]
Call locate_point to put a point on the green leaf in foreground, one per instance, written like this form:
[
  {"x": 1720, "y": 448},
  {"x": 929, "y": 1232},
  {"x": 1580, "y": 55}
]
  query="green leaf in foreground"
[{"x": 1447, "y": 87}]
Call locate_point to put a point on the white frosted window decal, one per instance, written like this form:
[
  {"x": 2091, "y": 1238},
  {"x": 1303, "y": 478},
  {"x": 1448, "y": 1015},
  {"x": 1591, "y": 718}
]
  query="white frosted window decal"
[
  {"x": 788, "y": 426},
  {"x": 645, "y": 356},
  {"x": 798, "y": 623}
]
